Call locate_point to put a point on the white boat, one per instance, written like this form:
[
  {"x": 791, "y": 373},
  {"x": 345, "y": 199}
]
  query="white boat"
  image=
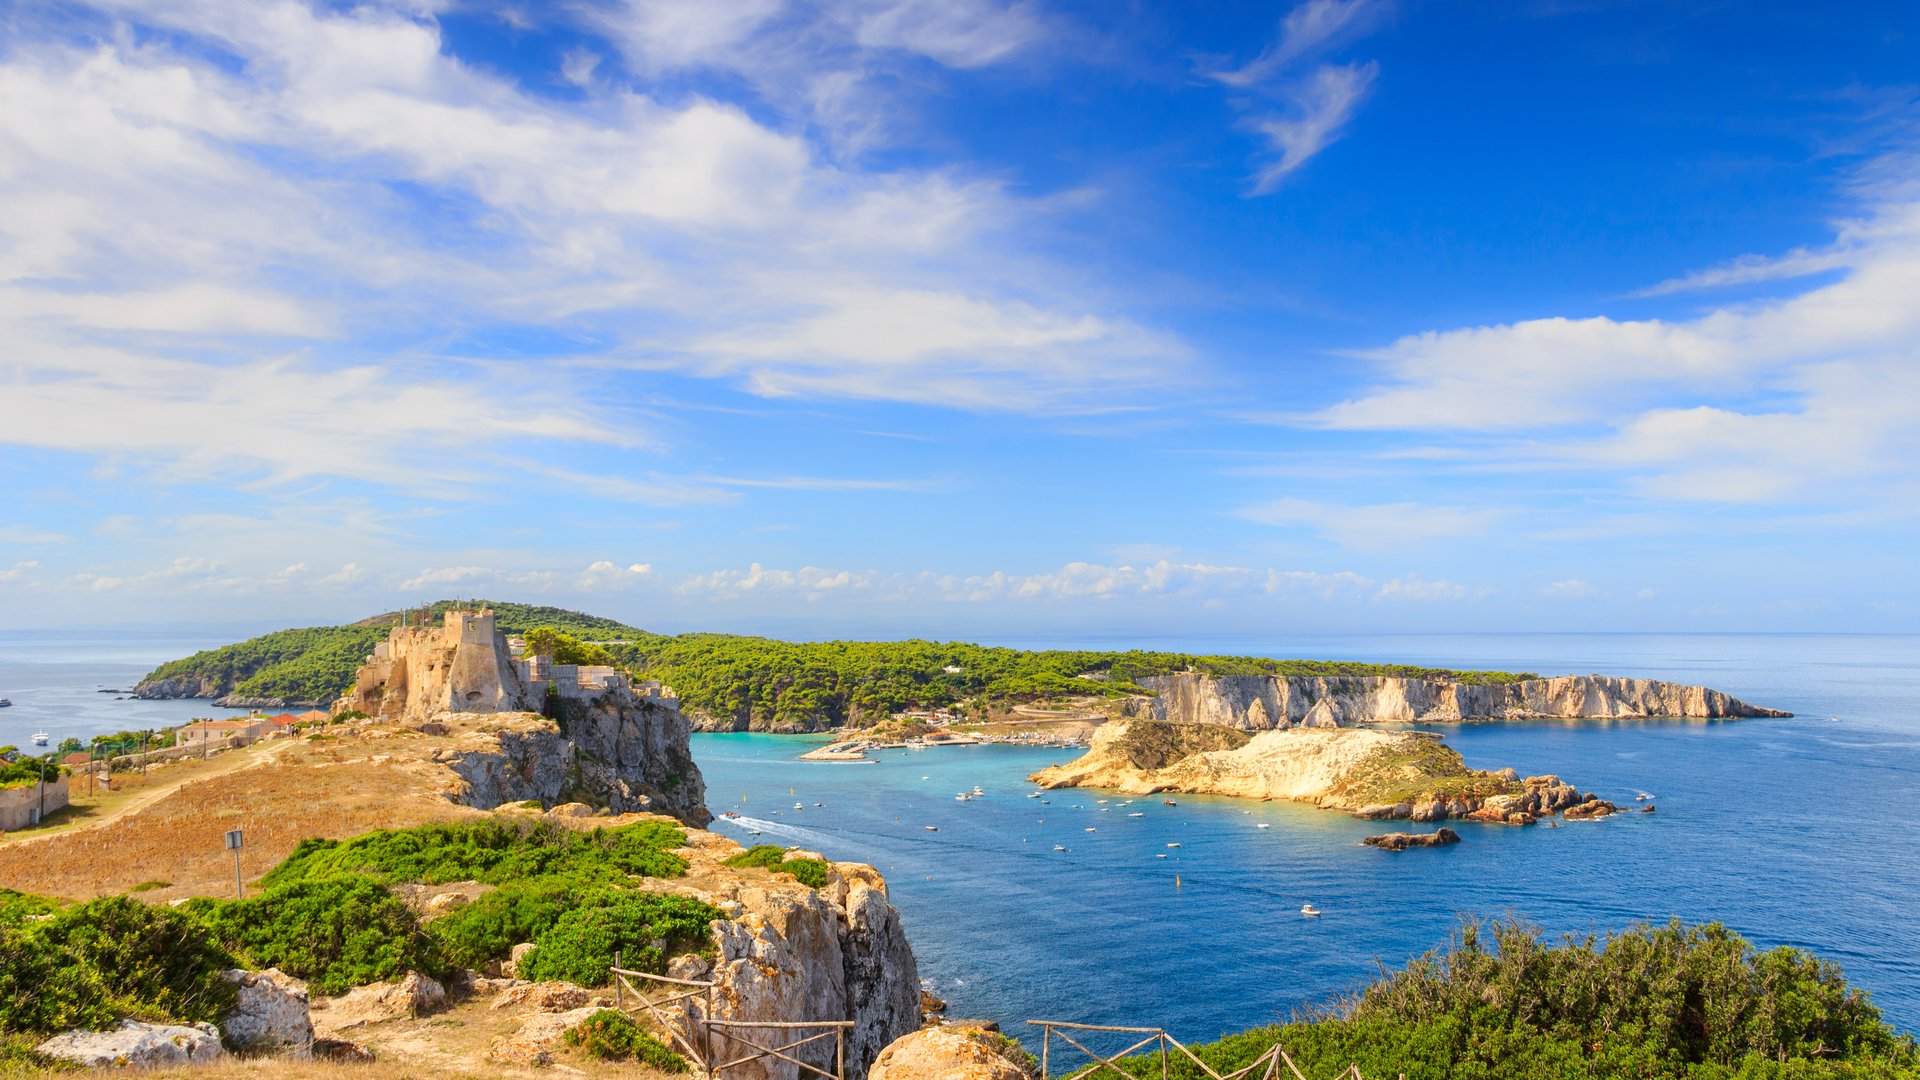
[
  {"x": 962, "y": 797},
  {"x": 1090, "y": 828},
  {"x": 1173, "y": 845},
  {"x": 1136, "y": 813},
  {"x": 1033, "y": 795},
  {"x": 1059, "y": 847},
  {"x": 39, "y": 738},
  {"x": 933, "y": 828},
  {"x": 799, "y": 806},
  {"x": 1309, "y": 911},
  {"x": 977, "y": 792},
  {"x": 1262, "y": 825}
]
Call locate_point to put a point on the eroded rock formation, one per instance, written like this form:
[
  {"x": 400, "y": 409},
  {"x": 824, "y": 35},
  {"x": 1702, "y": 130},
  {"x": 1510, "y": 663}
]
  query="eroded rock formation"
[
  {"x": 1365, "y": 772},
  {"x": 1264, "y": 702}
]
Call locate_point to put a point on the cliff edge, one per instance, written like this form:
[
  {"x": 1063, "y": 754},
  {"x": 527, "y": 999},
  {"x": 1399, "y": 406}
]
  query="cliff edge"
[{"x": 1265, "y": 702}]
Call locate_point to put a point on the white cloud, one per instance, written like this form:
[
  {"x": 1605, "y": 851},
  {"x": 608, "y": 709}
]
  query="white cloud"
[
  {"x": 19, "y": 573},
  {"x": 1307, "y": 113},
  {"x": 464, "y": 577},
  {"x": 604, "y": 576},
  {"x": 27, "y": 534},
  {"x": 1307, "y": 29},
  {"x": 1568, "y": 589},
  {"x": 199, "y": 252},
  {"x": 1319, "y": 108}
]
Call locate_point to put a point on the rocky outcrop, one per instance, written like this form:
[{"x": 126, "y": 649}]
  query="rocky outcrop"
[
  {"x": 1401, "y": 841},
  {"x": 1263, "y": 702},
  {"x": 236, "y": 701},
  {"x": 414, "y": 995},
  {"x": 187, "y": 686},
  {"x": 787, "y": 953},
  {"x": 618, "y": 750},
  {"x": 539, "y": 1035},
  {"x": 955, "y": 1052},
  {"x": 269, "y": 1015},
  {"x": 1367, "y": 773},
  {"x": 137, "y": 1045}
]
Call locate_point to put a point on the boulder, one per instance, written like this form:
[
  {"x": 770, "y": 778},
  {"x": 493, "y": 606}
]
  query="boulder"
[
  {"x": 571, "y": 809},
  {"x": 269, "y": 1014},
  {"x": 538, "y": 1036},
  {"x": 413, "y": 995},
  {"x": 1400, "y": 841},
  {"x": 1592, "y": 808},
  {"x": 952, "y": 1052},
  {"x": 137, "y": 1045},
  {"x": 543, "y": 997}
]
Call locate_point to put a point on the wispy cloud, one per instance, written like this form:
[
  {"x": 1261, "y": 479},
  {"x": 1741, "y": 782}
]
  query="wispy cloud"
[
  {"x": 1298, "y": 113},
  {"x": 1383, "y": 525}
]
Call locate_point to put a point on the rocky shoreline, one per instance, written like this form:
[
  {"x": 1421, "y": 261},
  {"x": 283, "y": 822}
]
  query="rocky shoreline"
[{"x": 1367, "y": 773}]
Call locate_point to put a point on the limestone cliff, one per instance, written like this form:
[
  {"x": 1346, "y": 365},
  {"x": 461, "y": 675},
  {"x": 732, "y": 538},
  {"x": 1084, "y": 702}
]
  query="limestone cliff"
[
  {"x": 1263, "y": 702},
  {"x": 1368, "y": 773},
  {"x": 616, "y": 750},
  {"x": 788, "y": 953}
]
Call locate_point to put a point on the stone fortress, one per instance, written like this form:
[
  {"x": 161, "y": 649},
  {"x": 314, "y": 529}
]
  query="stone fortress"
[{"x": 466, "y": 664}]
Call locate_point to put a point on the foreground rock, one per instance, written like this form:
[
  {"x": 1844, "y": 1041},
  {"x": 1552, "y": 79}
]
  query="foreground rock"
[
  {"x": 957, "y": 1052},
  {"x": 137, "y": 1045},
  {"x": 1367, "y": 773},
  {"x": 270, "y": 1014},
  {"x": 539, "y": 1035},
  {"x": 1400, "y": 841},
  {"x": 1265, "y": 702},
  {"x": 414, "y": 995}
]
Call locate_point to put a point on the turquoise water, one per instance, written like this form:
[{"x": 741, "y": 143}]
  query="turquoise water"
[{"x": 1790, "y": 831}]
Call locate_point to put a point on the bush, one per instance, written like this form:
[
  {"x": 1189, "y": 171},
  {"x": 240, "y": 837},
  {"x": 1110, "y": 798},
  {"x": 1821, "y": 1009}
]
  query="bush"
[
  {"x": 1653, "y": 1003},
  {"x": 810, "y": 872},
  {"x": 580, "y": 945},
  {"x": 97, "y": 962},
  {"x": 16, "y": 906},
  {"x": 491, "y": 851},
  {"x": 337, "y": 933},
  {"x": 489, "y": 927},
  {"x": 613, "y": 1036}
]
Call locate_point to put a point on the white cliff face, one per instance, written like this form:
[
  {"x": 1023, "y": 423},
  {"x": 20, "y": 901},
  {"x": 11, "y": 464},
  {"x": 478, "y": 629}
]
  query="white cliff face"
[
  {"x": 1263, "y": 702},
  {"x": 788, "y": 954}
]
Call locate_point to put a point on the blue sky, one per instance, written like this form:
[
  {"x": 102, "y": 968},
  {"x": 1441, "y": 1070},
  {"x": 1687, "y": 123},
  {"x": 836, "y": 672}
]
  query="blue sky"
[{"x": 964, "y": 317}]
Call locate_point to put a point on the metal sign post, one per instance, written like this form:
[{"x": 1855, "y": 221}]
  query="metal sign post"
[{"x": 234, "y": 842}]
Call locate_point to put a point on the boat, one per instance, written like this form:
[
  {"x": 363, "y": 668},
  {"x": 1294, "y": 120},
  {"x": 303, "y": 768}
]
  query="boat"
[
  {"x": 962, "y": 797},
  {"x": 933, "y": 828},
  {"x": 39, "y": 738},
  {"x": 1309, "y": 911},
  {"x": 1136, "y": 813},
  {"x": 1159, "y": 856},
  {"x": 1090, "y": 828},
  {"x": 1174, "y": 844},
  {"x": 4, "y": 703},
  {"x": 1033, "y": 794},
  {"x": 977, "y": 792},
  {"x": 1262, "y": 825},
  {"x": 799, "y": 806},
  {"x": 1169, "y": 802},
  {"x": 1059, "y": 847},
  {"x": 729, "y": 814}
]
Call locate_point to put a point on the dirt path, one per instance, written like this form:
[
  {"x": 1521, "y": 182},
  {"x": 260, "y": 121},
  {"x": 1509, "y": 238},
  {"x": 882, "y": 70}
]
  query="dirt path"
[{"x": 98, "y": 811}]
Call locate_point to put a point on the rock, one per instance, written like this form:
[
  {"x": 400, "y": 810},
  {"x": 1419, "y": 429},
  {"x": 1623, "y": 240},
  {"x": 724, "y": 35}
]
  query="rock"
[
  {"x": 930, "y": 1005},
  {"x": 413, "y": 995},
  {"x": 690, "y": 966},
  {"x": 138, "y": 1046},
  {"x": 1647, "y": 809},
  {"x": 1400, "y": 841},
  {"x": 1592, "y": 808},
  {"x": 571, "y": 809},
  {"x": 539, "y": 1035},
  {"x": 341, "y": 1051},
  {"x": 543, "y": 997},
  {"x": 269, "y": 1014},
  {"x": 952, "y": 1052}
]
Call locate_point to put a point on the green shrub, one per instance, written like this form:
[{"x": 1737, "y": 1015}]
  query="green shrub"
[
  {"x": 16, "y": 906},
  {"x": 1652, "y": 1003},
  {"x": 491, "y": 851},
  {"x": 94, "y": 963},
  {"x": 336, "y": 933},
  {"x": 580, "y": 945},
  {"x": 810, "y": 872},
  {"x": 612, "y": 1035},
  {"x": 489, "y": 927},
  {"x": 149, "y": 886}
]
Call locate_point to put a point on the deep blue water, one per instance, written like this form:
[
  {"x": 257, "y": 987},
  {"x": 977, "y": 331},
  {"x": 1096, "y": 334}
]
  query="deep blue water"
[{"x": 1790, "y": 831}]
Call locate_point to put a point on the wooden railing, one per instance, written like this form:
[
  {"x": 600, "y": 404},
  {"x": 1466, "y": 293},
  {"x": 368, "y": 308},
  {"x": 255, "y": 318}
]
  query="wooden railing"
[
  {"x": 1265, "y": 1067},
  {"x": 705, "y": 1042}
]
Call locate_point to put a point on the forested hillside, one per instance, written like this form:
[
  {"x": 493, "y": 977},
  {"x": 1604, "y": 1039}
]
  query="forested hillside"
[
  {"x": 317, "y": 663},
  {"x": 748, "y": 681}
]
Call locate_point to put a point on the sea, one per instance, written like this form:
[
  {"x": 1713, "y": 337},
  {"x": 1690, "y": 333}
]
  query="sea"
[{"x": 1182, "y": 913}]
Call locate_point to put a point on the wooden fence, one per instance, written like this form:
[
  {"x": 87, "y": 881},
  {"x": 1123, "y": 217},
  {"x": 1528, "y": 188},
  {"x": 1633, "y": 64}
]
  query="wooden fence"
[
  {"x": 1265, "y": 1067},
  {"x": 686, "y": 1015}
]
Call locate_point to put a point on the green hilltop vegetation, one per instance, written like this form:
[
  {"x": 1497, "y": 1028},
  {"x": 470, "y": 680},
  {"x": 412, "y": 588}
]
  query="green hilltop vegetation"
[
  {"x": 783, "y": 684},
  {"x": 1667, "y": 1002},
  {"x": 329, "y": 915},
  {"x": 317, "y": 663}
]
